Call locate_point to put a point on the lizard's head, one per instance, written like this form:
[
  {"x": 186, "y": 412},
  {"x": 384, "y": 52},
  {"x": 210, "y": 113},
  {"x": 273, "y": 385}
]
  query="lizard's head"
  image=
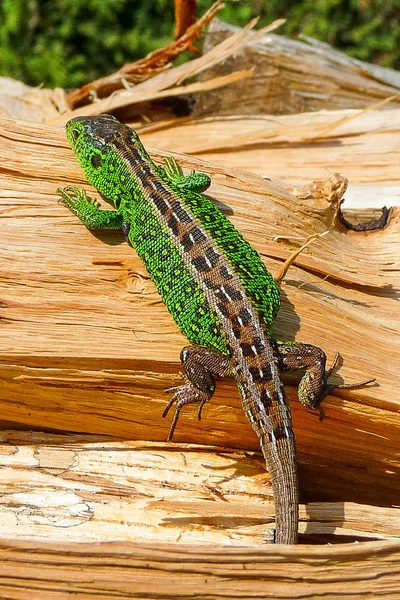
[{"x": 93, "y": 141}]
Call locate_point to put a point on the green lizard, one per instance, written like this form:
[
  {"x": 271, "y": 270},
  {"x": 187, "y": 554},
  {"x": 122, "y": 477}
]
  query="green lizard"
[{"x": 214, "y": 284}]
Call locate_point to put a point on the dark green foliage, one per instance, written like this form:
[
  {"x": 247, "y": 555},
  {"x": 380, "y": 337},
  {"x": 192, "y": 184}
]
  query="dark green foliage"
[
  {"x": 70, "y": 42},
  {"x": 366, "y": 29}
]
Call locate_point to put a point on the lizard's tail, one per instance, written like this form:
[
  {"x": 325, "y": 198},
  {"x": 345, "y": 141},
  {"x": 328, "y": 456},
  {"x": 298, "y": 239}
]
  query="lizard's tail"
[
  {"x": 271, "y": 420},
  {"x": 280, "y": 457}
]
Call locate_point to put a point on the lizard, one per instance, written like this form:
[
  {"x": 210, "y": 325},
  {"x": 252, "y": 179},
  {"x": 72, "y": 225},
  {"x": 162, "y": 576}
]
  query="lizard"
[{"x": 215, "y": 285}]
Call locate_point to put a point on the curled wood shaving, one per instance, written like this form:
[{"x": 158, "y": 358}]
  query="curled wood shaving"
[{"x": 160, "y": 85}]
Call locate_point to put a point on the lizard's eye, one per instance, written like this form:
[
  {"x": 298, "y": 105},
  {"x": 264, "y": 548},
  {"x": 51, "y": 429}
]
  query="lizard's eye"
[
  {"x": 96, "y": 160},
  {"x": 75, "y": 135}
]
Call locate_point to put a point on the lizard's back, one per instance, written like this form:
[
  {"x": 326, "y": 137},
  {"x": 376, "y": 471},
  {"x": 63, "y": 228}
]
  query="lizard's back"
[{"x": 184, "y": 240}]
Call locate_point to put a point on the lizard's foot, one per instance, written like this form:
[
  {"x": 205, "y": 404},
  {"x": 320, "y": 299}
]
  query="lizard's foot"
[
  {"x": 194, "y": 182},
  {"x": 88, "y": 209},
  {"x": 328, "y": 387},
  {"x": 183, "y": 395},
  {"x": 71, "y": 196},
  {"x": 314, "y": 385},
  {"x": 199, "y": 365}
]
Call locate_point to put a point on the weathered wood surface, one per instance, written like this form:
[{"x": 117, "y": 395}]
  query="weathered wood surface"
[
  {"x": 291, "y": 77},
  {"x": 87, "y": 345},
  {"x": 78, "y": 488},
  {"x": 159, "y": 571},
  {"x": 89, "y": 516},
  {"x": 362, "y": 145}
]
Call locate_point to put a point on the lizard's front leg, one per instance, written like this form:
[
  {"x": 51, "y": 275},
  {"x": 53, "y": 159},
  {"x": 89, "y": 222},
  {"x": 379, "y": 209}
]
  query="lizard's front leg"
[
  {"x": 86, "y": 210},
  {"x": 314, "y": 385},
  {"x": 196, "y": 181},
  {"x": 199, "y": 364}
]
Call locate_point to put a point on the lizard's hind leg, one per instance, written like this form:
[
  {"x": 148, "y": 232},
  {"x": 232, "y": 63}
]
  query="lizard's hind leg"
[
  {"x": 314, "y": 385},
  {"x": 199, "y": 364}
]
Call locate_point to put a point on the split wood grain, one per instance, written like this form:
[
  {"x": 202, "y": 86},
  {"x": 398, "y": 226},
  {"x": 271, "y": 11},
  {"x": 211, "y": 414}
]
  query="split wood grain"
[
  {"x": 296, "y": 149},
  {"x": 291, "y": 77},
  {"x": 90, "y": 516},
  {"x": 75, "y": 488},
  {"x": 156, "y": 571}
]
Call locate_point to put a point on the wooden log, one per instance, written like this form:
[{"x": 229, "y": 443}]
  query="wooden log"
[
  {"x": 290, "y": 77},
  {"x": 77, "y": 488},
  {"x": 88, "y": 346},
  {"x": 54, "y": 571},
  {"x": 296, "y": 149},
  {"x": 241, "y": 72},
  {"x": 94, "y": 516}
]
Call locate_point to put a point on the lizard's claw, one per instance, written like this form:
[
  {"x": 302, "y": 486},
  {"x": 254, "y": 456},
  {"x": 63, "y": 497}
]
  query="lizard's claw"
[
  {"x": 329, "y": 387},
  {"x": 343, "y": 386},
  {"x": 183, "y": 395},
  {"x": 70, "y": 196},
  {"x": 176, "y": 387}
]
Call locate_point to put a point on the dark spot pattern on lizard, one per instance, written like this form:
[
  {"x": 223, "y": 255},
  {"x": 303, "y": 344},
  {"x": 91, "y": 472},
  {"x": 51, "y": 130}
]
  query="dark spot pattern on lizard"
[
  {"x": 161, "y": 204},
  {"x": 259, "y": 374},
  {"x": 201, "y": 264},
  {"x": 173, "y": 224},
  {"x": 278, "y": 433},
  {"x": 266, "y": 400},
  {"x": 243, "y": 318}
]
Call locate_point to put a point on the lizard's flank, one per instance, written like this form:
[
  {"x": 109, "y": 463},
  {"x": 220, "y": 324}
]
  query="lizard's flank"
[{"x": 214, "y": 284}]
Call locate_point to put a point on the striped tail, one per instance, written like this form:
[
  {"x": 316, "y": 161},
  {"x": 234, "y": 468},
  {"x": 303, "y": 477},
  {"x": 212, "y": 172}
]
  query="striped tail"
[
  {"x": 282, "y": 468},
  {"x": 271, "y": 420}
]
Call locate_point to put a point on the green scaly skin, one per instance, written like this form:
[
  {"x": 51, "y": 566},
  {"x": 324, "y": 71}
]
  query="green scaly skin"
[
  {"x": 214, "y": 284},
  {"x": 117, "y": 186}
]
